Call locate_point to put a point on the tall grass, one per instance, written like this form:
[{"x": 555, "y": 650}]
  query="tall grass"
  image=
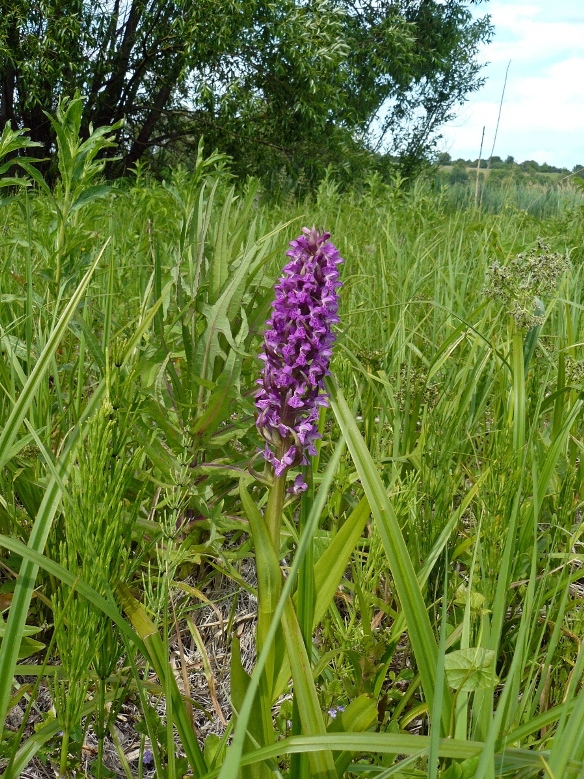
[
  {"x": 443, "y": 536},
  {"x": 538, "y": 200}
]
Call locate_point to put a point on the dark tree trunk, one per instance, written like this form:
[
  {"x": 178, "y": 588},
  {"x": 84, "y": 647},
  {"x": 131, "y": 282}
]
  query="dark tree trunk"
[
  {"x": 142, "y": 141},
  {"x": 8, "y": 79},
  {"x": 109, "y": 108}
]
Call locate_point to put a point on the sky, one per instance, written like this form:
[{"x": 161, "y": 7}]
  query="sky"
[{"x": 542, "y": 117}]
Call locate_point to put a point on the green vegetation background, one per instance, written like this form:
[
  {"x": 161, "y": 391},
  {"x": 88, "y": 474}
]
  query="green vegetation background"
[{"x": 130, "y": 321}]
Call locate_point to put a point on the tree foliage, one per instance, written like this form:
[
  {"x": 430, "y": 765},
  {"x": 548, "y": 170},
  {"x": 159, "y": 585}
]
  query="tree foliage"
[{"x": 298, "y": 83}]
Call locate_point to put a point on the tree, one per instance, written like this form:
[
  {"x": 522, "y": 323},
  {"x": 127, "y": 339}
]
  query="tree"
[
  {"x": 130, "y": 60},
  {"x": 415, "y": 61},
  {"x": 298, "y": 83},
  {"x": 458, "y": 174}
]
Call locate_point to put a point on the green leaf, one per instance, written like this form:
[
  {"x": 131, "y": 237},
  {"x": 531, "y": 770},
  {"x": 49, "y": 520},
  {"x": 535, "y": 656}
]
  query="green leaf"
[
  {"x": 11, "y": 141},
  {"x": 396, "y": 743},
  {"x": 406, "y": 583},
  {"x": 218, "y": 408},
  {"x": 360, "y": 714},
  {"x": 26, "y": 397},
  {"x": 470, "y": 669},
  {"x": 214, "y": 749},
  {"x": 305, "y": 694},
  {"x": 28, "y": 630},
  {"x": 28, "y": 647},
  {"x": 89, "y": 194},
  {"x": 38, "y": 537},
  {"x": 331, "y": 565},
  {"x": 233, "y": 758},
  {"x": 219, "y": 269},
  {"x": 143, "y": 325},
  {"x": 269, "y": 588},
  {"x": 154, "y": 646},
  {"x": 14, "y": 181},
  {"x": 256, "y": 727}
]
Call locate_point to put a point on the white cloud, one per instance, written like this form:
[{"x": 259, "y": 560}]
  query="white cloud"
[
  {"x": 523, "y": 33},
  {"x": 511, "y": 15},
  {"x": 541, "y": 41},
  {"x": 557, "y": 95},
  {"x": 543, "y": 111}
]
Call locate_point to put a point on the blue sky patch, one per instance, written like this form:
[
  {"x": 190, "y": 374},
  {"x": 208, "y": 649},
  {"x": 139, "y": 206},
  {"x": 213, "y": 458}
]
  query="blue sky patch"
[{"x": 543, "y": 111}]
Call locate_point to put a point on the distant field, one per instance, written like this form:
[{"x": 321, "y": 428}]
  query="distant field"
[{"x": 503, "y": 172}]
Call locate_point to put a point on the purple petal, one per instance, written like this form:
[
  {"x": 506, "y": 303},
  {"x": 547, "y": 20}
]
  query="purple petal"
[{"x": 297, "y": 350}]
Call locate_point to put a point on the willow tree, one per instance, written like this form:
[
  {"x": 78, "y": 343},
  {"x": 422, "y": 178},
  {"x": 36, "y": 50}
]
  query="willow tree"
[{"x": 297, "y": 81}]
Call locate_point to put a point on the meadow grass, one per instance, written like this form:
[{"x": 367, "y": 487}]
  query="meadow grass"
[
  {"x": 430, "y": 619},
  {"x": 534, "y": 198}
]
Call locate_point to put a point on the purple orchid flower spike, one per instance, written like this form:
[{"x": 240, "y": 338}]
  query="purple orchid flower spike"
[{"x": 297, "y": 350}]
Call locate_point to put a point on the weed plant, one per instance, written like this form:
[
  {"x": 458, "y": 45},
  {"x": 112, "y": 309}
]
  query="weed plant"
[{"x": 429, "y": 619}]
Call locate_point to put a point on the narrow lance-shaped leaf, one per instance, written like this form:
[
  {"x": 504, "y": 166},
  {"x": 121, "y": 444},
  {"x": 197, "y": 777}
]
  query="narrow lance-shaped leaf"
[
  {"x": 406, "y": 582},
  {"x": 269, "y": 585},
  {"x": 26, "y": 397},
  {"x": 29, "y": 568}
]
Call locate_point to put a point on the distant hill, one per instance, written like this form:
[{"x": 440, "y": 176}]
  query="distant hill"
[{"x": 504, "y": 170}]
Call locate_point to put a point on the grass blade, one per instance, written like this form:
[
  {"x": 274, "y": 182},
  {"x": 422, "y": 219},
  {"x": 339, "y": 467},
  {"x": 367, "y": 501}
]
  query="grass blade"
[
  {"x": 406, "y": 582},
  {"x": 28, "y": 571},
  {"x": 233, "y": 759},
  {"x": 43, "y": 363}
]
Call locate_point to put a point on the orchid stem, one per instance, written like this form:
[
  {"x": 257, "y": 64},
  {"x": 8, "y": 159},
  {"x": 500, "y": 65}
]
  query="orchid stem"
[{"x": 273, "y": 515}]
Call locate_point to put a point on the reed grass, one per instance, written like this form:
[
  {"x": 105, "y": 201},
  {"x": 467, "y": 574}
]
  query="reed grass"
[{"x": 444, "y": 535}]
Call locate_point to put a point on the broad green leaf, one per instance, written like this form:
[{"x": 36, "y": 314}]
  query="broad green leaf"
[
  {"x": 28, "y": 630},
  {"x": 258, "y": 728},
  {"x": 28, "y": 647},
  {"x": 214, "y": 749},
  {"x": 331, "y": 565},
  {"x": 89, "y": 194},
  {"x": 470, "y": 669},
  {"x": 359, "y": 715},
  {"x": 475, "y": 599},
  {"x": 13, "y": 140}
]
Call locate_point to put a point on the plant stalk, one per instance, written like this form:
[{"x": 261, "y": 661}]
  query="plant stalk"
[{"x": 273, "y": 515}]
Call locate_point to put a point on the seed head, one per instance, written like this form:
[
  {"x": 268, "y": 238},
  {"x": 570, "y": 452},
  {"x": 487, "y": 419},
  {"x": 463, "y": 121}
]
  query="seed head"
[{"x": 525, "y": 281}]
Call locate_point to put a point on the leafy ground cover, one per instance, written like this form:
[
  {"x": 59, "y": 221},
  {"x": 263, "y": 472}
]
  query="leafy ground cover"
[{"x": 421, "y": 613}]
